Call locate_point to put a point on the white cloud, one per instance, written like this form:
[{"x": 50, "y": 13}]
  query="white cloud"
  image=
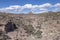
[
  {"x": 34, "y": 8},
  {"x": 43, "y": 9},
  {"x": 46, "y": 5},
  {"x": 44, "y": 12},
  {"x": 27, "y": 6},
  {"x": 13, "y": 7},
  {"x": 57, "y": 5},
  {"x": 40, "y": 12},
  {"x": 56, "y": 10}
]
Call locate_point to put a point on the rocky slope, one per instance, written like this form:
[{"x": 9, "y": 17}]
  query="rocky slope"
[{"x": 44, "y": 26}]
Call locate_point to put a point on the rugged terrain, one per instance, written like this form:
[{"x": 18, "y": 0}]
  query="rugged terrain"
[{"x": 44, "y": 26}]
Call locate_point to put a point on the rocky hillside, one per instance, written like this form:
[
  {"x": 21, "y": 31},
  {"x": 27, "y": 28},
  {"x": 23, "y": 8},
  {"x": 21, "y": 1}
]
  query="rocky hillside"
[{"x": 44, "y": 26}]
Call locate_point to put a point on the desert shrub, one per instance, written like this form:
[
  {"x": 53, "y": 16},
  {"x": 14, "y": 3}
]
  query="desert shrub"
[
  {"x": 29, "y": 29},
  {"x": 19, "y": 23},
  {"x": 38, "y": 34},
  {"x": 58, "y": 22},
  {"x": 1, "y": 32},
  {"x": 2, "y": 17},
  {"x": 39, "y": 27},
  {"x": 3, "y": 36}
]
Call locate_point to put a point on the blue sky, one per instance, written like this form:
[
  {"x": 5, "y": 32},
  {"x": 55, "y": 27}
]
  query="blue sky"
[
  {"x": 4, "y": 3},
  {"x": 48, "y": 5}
]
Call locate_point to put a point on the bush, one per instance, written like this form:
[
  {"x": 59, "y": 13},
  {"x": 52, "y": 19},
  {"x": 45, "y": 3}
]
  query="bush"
[
  {"x": 29, "y": 29},
  {"x": 3, "y": 36},
  {"x": 38, "y": 34},
  {"x": 58, "y": 22}
]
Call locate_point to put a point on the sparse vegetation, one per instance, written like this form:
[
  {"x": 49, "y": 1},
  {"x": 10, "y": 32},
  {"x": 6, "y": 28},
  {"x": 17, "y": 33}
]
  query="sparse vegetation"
[
  {"x": 29, "y": 29},
  {"x": 38, "y": 34},
  {"x": 31, "y": 24},
  {"x": 58, "y": 22},
  {"x": 3, "y": 36}
]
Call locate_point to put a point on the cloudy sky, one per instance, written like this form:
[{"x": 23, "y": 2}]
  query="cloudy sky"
[{"x": 25, "y": 6}]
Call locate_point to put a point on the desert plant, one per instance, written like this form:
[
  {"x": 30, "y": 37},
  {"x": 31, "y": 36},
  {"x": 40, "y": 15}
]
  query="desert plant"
[
  {"x": 58, "y": 22},
  {"x": 3, "y": 36},
  {"x": 29, "y": 29},
  {"x": 38, "y": 34}
]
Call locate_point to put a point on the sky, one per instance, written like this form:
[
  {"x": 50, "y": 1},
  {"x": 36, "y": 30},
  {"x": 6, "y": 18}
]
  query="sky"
[{"x": 25, "y": 6}]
